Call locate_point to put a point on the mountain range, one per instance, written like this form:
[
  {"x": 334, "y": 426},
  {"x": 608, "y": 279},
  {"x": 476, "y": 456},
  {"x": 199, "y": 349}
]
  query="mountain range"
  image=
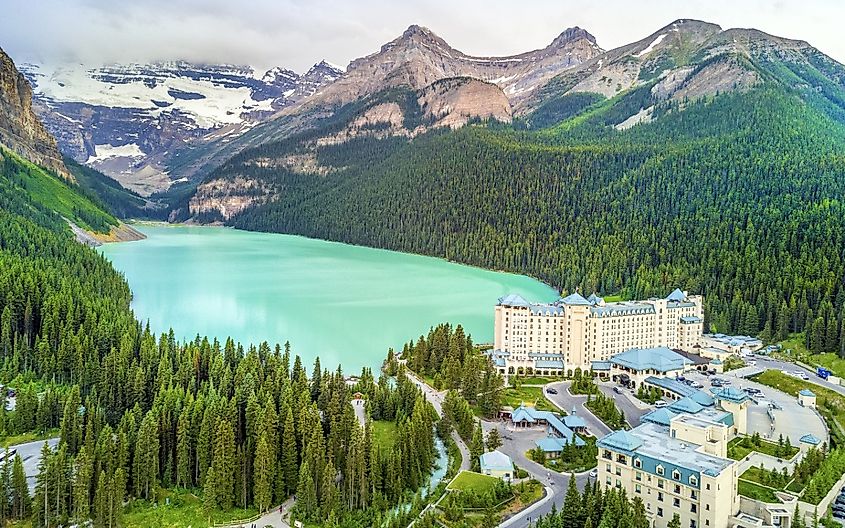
[{"x": 127, "y": 120}]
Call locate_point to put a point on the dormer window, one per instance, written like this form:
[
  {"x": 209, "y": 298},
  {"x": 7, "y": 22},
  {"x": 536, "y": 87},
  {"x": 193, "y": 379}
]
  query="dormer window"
[
  {"x": 638, "y": 463},
  {"x": 676, "y": 475},
  {"x": 693, "y": 481},
  {"x": 660, "y": 470}
]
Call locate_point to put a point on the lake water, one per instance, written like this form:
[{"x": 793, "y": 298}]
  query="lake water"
[{"x": 347, "y": 304}]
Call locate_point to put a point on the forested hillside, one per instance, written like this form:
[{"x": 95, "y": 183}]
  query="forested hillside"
[
  {"x": 737, "y": 196},
  {"x": 244, "y": 427}
]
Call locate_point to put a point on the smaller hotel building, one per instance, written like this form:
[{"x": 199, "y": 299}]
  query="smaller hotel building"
[
  {"x": 574, "y": 332},
  {"x": 676, "y": 460}
]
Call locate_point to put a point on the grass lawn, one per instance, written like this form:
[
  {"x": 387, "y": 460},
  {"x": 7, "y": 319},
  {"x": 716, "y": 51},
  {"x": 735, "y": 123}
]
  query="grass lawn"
[
  {"x": 527, "y": 395},
  {"x": 7, "y": 441},
  {"x": 738, "y": 451},
  {"x": 799, "y": 351},
  {"x": 830, "y": 404},
  {"x": 384, "y": 433},
  {"x": 538, "y": 380},
  {"x": 755, "y": 491},
  {"x": 185, "y": 509},
  {"x": 469, "y": 480}
]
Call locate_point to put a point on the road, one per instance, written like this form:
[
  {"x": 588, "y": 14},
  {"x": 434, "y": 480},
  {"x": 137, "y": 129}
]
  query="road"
[
  {"x": 30, "y": 454},
  {"x": 625, "y": 402},
  {"x": 567, "y": 402},
  {"x": 776, "y": 364},
  {"x": 436, "y": 400},
  {"x": 515, "y": 445}
]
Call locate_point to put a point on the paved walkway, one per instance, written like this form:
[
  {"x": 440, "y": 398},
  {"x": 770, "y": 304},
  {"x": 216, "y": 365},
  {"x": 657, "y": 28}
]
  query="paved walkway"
[
  {"x": 274, "y": 518},
  {"x": 436, "y": 399},
  {"x": 360, "y": 411}
]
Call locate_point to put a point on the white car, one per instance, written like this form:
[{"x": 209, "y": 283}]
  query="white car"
[
  {"x": 594, "y": 473},
  {"x": 660, "y": 403}
]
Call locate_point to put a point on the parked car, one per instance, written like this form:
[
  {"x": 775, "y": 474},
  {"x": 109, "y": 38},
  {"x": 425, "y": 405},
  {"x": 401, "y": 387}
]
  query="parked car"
[
  {"x": 696, "y": 385},
  {"x": 715, "y": 383},
  {"x": 594, "y": 473},
  {"x": 660, "y": 403},
  {"x": 551, "y": 390},
  {"x": 616, "y": 390}
]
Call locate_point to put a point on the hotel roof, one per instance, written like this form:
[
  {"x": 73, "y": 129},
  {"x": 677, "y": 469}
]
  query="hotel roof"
[
  {"x": 810, "y": 439},
  {"x": 496, "y": 461},
  {"x": 653, "y": 445},
  {"x": 730, "y": 394},
  {"x": 661, "y": 359},
  {"x": 575, "y": 299},
  {"x": 659, "y": 416},
  {"x": 552, "y": 444}
]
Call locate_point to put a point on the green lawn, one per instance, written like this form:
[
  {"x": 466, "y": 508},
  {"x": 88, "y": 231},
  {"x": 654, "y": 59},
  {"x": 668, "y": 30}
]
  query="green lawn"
[
  {"x": 755, "y": 491},
  {"x": 740, "y": 447},
  {"x": 527, "y": 395},
  {"x": 185, "y": 509},
  {"x": 11, "y": 440},
  {"x": 384, "y": 433},
  {"x": 538, "y": 380},
  {"x": 469, "y": 480},
  {"x": 829, "y": 403},
  {"x": 798, "y": 351}
]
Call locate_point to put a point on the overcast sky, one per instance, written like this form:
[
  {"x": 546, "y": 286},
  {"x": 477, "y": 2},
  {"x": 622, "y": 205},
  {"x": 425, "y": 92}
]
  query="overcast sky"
[{"x": 298, "y": 33}]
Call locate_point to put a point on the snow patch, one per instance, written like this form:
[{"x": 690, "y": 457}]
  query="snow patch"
[
  {"x": 105, "y": 152},
  {"x": 651, "y": 46}
]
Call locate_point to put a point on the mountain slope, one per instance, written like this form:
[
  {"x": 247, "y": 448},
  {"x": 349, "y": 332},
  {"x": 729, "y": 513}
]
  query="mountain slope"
[
  {"x": 127, "y": 120},
  {"x": 414, "y": 60},
  {"x": 20, "y": 129}
]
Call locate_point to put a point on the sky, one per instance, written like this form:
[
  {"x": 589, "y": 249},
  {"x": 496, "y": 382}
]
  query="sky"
[{"x": 298, "y": 33}]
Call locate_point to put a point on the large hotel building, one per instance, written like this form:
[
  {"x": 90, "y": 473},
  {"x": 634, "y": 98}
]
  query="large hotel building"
[{"x": 574, "y": 332}]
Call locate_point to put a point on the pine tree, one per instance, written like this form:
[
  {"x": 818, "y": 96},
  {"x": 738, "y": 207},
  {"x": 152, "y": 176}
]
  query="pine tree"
[
  {"x": 83, "y": 475},
  {"x": 476, "y": 447},
  {"x": 290, "y": 462},
  {"x": 675, "y": 522},
  {"x": 263, "y": 474},
  {"x": 494, "y": 441},
  {"x": 572, "y": 512},
  {"x": 209, "y": 493},
  {"x": 306, "y": 493},
  {"x": 20, "y": 490},
  {"x": 224, "y": 464}
]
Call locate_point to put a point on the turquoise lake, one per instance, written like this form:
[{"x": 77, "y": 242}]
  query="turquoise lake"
[{"x": 345, "y": 304}]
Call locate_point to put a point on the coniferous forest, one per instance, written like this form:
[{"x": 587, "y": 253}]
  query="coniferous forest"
[{"x": 243, "y": 426}]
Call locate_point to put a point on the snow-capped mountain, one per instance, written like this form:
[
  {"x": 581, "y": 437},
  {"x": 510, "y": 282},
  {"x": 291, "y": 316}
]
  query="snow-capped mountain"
[{"x": 126, "y": 119}]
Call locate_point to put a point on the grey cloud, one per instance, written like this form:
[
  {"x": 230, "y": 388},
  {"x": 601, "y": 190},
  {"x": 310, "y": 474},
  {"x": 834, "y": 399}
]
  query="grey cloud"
[{"x": 297, "y": 33}]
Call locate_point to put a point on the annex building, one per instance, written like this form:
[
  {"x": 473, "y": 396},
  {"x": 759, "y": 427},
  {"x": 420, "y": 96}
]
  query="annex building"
[
  {"x": 676, "y": 460},
  {"x": 573, "y": 332}
]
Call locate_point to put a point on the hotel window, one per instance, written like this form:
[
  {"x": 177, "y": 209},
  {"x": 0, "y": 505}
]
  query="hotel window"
[
  {"x": 607, "y": 467},
  {"x": 693, "y": 508},
  {"x": 677, "y": 489},
  {"x": 660, "y": 496},
  {"x": 707, "y": 487},
  {"x": 693, "y": 481},
  {"x": 660, "y": 512},
  {"x": 676, "y": 502},
  {"x": 660, "y": 483},
  {"x": 618, "y": 483},
  {"x": 638, "y": 488},
  {"x": 707, "y": 507},
  {"x": 692, "y": 523},
  {"x": 608, "y": 480},
  {"x": 618, "y": 471},
  {"x": 639, "y": 476},
  {"x": 676, "y": 475},
  {"x": 638, "y": 463},
  {"x": 706, "y": 522},
  {"x": 660, "y": 470},
  {"x": 693, "y": 495}
]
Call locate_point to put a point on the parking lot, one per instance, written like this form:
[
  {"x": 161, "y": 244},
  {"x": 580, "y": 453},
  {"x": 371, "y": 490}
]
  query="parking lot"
[{"x": 791, "y": 419}]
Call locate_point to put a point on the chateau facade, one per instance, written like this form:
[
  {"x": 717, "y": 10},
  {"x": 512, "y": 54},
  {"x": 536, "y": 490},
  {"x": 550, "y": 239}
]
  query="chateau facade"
[{"x": 574, "y": 332}]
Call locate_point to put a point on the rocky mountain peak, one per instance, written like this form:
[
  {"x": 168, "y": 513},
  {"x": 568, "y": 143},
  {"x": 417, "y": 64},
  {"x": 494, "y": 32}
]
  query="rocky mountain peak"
[
  {"x": 570, "y": 35},
  {"x": 20, "y": 129}
]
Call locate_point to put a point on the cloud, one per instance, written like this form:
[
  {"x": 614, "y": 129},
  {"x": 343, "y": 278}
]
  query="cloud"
[{"x": 298, "y": 33}]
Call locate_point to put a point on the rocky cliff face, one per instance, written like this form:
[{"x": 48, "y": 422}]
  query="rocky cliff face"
[
  {"x": 20, "y": 129},
  {"x": 419, "y": 57}
]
